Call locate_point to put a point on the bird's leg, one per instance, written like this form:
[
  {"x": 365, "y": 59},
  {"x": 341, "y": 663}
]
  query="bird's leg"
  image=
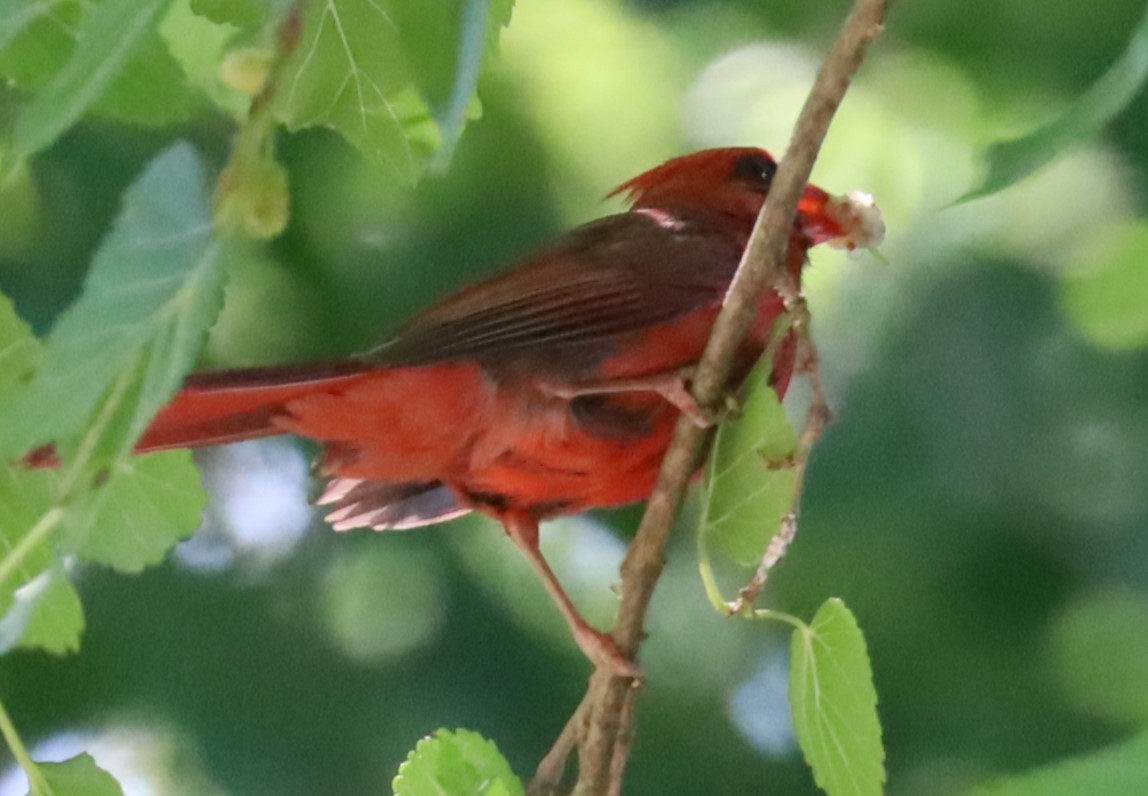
[
  {"x": 671, "y": 386},
  {"x": 599, "y": 647}
]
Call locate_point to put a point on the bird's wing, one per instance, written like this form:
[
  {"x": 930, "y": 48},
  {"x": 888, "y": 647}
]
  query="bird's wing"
[{"x": 622, "y": 273}]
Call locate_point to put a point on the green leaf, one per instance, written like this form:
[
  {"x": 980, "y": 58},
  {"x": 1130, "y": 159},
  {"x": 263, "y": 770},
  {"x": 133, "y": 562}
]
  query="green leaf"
[
  {"x": 155, "y": 286},
  {"x": 198, "y": 44},
  {"x": 110, "y": 33},
  {"x": 1099, "y": 652},
  {"x": 16, "y": 16},
  {"x": 1120, "y": 770},
  {"x": 749, "y": 484},
  {"x": 152, "y": 89},
  {"x": 149, "y": 89},
  {"x": 23, "y": 493},
  {"x": 147, "y": 505},
  {"x": 1106, "y": 297},
  {"x": 240, "y": 13},
  {"x": 1011, "y": 161},
  {"x": 834, "y": 704},
  {"x": 348, "y": 72},
  {"x": 79, "y": 776},
  {"x": 19, "y": 350},
  {"x": 38, "y": 37},
  {"x": 47, "y": 615},
  {"x": 446, "y": 44},
  {"x": 365, "y": 67},
  {"x": 461, "y": 763}
]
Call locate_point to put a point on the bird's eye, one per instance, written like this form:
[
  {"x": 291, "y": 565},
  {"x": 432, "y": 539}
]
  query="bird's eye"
[{"x": 755, "y": 169}]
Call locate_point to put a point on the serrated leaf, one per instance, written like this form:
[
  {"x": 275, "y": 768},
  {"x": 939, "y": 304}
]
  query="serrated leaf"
[
  {"x": 1120, "y": 770},
  {"x": 79, "y": 776},
  {"x": 1011, "y": 161},
  {"x": 109, "y": 34},
  {"x": 749, "y": 485},
  {"x": 834, "y": 704},
  {"x": 362, "y": 67},
  {"x": 461, "y": 763},
  {"x": 148, "y": 504},
  {"x": 348, "y": 73},
  {"x": 46, "y": 615},
  {"x": 154, "y": 288}
]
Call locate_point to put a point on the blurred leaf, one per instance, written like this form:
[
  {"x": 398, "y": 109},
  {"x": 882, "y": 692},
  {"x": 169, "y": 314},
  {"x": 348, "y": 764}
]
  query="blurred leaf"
[
  {"x": 38, "y": 39},
  {"x": 1106, "y": 297},
  {"x": 155, "y": 286},
  {"x": 47, "y": 615},
  {"x": 459, "y": 762},
  {"x": 147, "y": 505},
  {"x": 110, "y": 33},
  {"x": 360, "y": 68},
  {"x": 1120, "y": 770},
  {"x": 241, "y": 13},
  {"x": 23, "y": 493},
  {"x": 79, "y": 776},
  {"x": 198, "y": 44},
  {"x": 152, "y": 89},
  {"x": 749, "y": 483},
  {"x": 446, "y": 44},
  {"x": 834, "y": 703},
  {"x": 19, "y": 350},
  {"x": 149, "y": 89},
  {"x": 382, "y": 602},
  {"x": 1011, "y": 161},
  {"x": 23, "y": 213},
  {"x": 16, "y": 16},
  {"x": 1100, "y": 653}
]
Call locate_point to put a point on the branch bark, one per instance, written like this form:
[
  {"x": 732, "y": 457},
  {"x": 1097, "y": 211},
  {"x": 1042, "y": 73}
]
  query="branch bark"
[{"x": 602, "y": 726}]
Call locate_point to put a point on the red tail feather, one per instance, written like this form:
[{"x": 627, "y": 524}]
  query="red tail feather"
[{"x": 233, "y": 405}]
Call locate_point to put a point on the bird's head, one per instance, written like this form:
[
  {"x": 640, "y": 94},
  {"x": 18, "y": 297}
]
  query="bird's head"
[{"x": 733, "y": 181}]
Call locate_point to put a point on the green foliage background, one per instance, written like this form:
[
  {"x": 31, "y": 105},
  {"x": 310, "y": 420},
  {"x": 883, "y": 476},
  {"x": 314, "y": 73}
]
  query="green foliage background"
[{"x": 980, "y": 503}]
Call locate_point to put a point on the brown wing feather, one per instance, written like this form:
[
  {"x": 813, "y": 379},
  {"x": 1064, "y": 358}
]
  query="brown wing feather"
[{"x": 619, "y": 274}]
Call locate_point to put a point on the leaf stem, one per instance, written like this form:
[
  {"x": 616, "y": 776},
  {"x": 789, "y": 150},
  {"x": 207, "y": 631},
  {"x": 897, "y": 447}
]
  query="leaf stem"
[
  {"x": 37, "y": 784},
  {"x": 36, "y": 535}
]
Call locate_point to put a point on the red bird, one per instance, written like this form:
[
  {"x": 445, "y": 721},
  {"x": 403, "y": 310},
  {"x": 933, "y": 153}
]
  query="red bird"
[{"x": 549, "y": 389}]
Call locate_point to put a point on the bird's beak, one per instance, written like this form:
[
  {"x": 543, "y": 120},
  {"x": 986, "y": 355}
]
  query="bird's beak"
[{"x": 844, "y": 222}]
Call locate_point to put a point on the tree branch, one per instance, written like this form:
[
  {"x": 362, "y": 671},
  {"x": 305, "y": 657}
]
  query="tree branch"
[{"x": 603, "y": 722}]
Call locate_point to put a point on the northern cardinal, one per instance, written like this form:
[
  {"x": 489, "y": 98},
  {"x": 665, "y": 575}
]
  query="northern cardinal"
[{"x": 549, "y": 389}]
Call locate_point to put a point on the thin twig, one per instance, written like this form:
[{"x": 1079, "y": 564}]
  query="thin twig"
[
  {"x": 610, "y": 719},
  {"x": 817, "y": 418},
  {"x": 548, "y": 776}
]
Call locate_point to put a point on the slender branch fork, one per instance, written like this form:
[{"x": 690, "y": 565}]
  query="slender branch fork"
[{"x": 602, "y": 726}]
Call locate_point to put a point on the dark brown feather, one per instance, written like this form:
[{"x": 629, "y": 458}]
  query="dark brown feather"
[{"x": 620, "y": 274}]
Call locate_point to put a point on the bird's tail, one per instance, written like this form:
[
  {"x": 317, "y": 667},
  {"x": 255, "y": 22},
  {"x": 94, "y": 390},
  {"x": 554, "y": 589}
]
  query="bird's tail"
[
  {"x": 221, "y": 406},
  {"x": 215, "y": 407}
]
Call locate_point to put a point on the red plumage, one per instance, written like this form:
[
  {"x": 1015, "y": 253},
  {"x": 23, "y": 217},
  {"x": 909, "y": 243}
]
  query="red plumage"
[{"x": 549, "y": 389}]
